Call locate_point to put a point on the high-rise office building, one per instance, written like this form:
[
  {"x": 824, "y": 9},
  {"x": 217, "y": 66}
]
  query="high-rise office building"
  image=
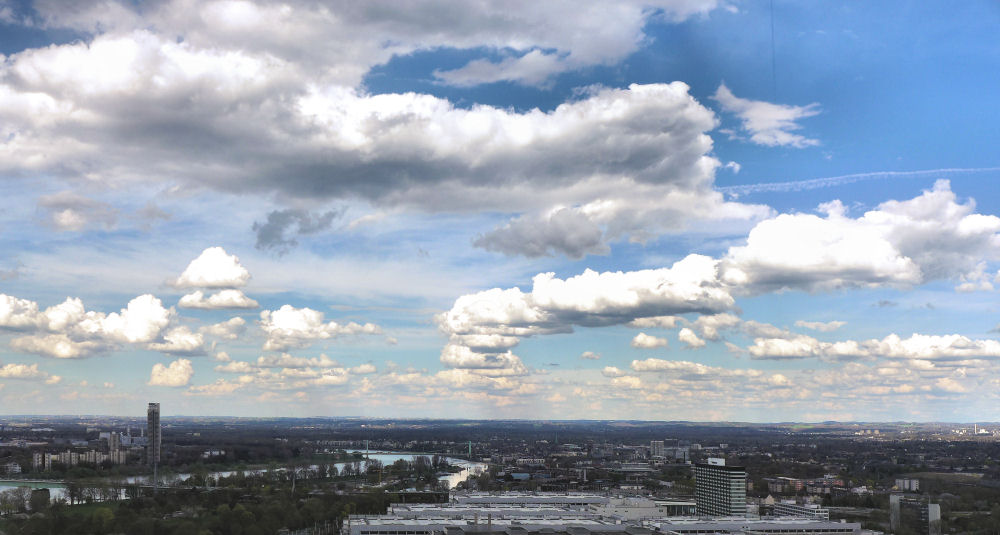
[
  {"x": 914, "y": 515},
  {"x": 656, "y": 448},
  {"x": 720, "y": 490},
  {"x": 153, "y": 433}
]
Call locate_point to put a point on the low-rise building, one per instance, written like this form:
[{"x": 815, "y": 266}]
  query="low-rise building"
[
  {"x": 440, "y": 524},
  {"x": 641, "y": 508},
  {"x": 11, "y": 468},
  {"x": 528, "y": 499},
  {"x": 792, "y": 526},
  {"x": 377, "y": 525},
  {"x": 800, "y": 510}
]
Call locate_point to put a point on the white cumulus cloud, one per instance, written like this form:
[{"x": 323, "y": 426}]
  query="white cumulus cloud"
[
  {"x": 689, "y": 338},
  {"x": 301, "y": 327},
  {"x": 916, "y": 347},
  {"x": 230, "y": 329},
  {"x": 590, "y": 299},
  {"x": 229, "y": 298},
  {"x": 68, "y": 330},
  {"x": 612, "y": 371},
  {"x": 220, "y": 387},
  {"x": 663, "y": 322},
  {"x": 141, "y": 321},
  {"x": 820, "y": 326},
  {"x": 285, "y": 360},
  {"x": 58, "y": 346},
  {"x": 768, "y": 124},
  {"x": 645, "y": 341},
  {"x": 214, "y": 268},
  {"x": 362, "y": 369},
  {"x": 178, "y": 373},
  {"x": 901, "y": 243},
  {"x": 180, "y": 341},
  {"x": 709, "y": 326},
  {"x": 461, "y": 357},
  {"x": 22, "y": 371}
]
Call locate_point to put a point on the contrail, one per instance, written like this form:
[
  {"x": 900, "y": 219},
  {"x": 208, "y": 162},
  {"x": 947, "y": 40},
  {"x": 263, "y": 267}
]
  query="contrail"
[{"x": 831, "y": 181}]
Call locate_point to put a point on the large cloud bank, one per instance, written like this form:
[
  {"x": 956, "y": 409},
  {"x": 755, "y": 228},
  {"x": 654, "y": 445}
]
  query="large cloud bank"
[{"x": 240, "y": 97}]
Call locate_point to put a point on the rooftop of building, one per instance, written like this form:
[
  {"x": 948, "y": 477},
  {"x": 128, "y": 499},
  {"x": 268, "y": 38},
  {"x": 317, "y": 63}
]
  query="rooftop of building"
[
  {"x": 729, "y": 524},
  {"x": 526, "y": 497},
  {"x": 533, "y": 524},
  {"x": 722, "y": 526},
  {"x": 473, "y": 494},
  {"x": 726, "y": 467}
]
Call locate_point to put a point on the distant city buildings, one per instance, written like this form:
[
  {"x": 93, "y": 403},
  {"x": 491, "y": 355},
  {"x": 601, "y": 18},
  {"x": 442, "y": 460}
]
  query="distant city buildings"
[
  {"x": 46, "y": 460},
  {"x": 128, "y": 441},
  {"x": 10, "y": 468},
  {"x": 720, "y": 490},
  {"x": 976, "y": 431},
  {"x": 547, "y": 487},
  {"x": 791, "y": 485},
  {"x": 111, "y": 447},
  {"x": 669, "y": 451},
  {"x": 806, "y": 510},
  {"x": 208, "y": 454}
]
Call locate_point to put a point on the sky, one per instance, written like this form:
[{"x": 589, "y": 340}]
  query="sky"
[{"x": 706, "y": 210}]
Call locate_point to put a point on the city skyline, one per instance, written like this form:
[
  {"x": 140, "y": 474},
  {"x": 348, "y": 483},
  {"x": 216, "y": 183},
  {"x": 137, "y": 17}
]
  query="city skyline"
[{"x": 700, "y": 210}]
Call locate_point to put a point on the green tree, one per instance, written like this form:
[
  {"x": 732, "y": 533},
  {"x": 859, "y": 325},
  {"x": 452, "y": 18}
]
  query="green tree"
[
  {"x": 103, "y": 519},
  {"x": 39, "y": 499},
  {"x": 19, "y": 497}
]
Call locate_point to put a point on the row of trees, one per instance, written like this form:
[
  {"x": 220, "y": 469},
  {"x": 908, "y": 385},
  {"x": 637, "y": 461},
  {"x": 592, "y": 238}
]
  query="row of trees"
[
  {"x": 251, "y": 511},
  {"x": 14, "y": 500},
  {"x": 242, "y": 502},
  {"x": 22, "y": 499}
]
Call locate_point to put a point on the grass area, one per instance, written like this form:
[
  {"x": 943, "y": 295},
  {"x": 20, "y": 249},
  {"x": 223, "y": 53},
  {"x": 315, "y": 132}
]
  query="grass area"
[
  {"x": 32, "y": 484},
  {"x": 950, "y": 477},
  {"x": 87, "y": 509}
]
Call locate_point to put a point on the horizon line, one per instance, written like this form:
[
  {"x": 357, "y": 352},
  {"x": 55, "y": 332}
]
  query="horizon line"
[{"x": 424, "y": 418}]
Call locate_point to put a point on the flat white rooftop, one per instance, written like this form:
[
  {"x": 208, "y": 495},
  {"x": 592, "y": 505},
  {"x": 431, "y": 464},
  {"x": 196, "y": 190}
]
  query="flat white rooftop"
[
  {"x": 789, "y": 526},
  {"x": 441, "y": 522}
]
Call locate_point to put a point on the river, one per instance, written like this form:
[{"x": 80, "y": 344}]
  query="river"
[{"x": 58, "y": 490}]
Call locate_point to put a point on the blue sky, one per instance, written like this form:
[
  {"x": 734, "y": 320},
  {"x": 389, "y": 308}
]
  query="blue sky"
[{"x": 685, "y": 209}]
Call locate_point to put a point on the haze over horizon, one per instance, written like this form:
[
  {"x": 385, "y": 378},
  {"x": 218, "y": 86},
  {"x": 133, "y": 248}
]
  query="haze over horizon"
[{"x": 699, "y": 210}]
